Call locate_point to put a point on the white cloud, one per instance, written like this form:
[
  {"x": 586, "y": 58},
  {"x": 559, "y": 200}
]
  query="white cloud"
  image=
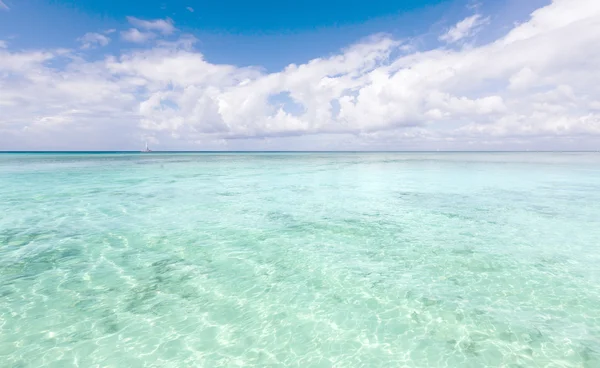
[
  {"x": 185, "y": 42},
  {"x": 90, "y": 40},
  {"x": 3, "y": 44},
  {"x": 20, "y": 62},
  {"x": 535, "y": 87},
  {"x": 134, "y": 35},
  {"x": 109, "y": 31},
  {"x": 3, "y": 6},
  {"x": 467, "y": 27},
  {"x": 161, "y": 25},
  {"x": 190, "y": 9}
]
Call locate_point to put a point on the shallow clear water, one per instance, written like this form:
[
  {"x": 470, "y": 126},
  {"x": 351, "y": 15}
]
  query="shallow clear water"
[{"x": 307, "y": 260}]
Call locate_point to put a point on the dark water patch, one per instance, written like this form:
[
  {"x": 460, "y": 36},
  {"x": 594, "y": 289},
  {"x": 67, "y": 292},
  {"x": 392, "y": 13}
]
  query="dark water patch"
[
  {"x": 466, "y": 251},
  {"x": 411, "y": 195},
  {"x": 79, "y": 336},
  {"x": 547, "y": 211},
  {"x": 20, "y": 364},
  {"x": 454, "y": 216},
  {"x": 345, "y": 228},
  {"x": 429, "y": 302},
  {"x": 457, "y": 281},
  {"x": 95, "y": 191},
  {"x": 86, "y": 304},
  {"x": 110, "y": 327},
  {"x": 590, "y": 356},
  {"x": 166, "y": 265},
  {"x": 484, "y": 265},
  {"x": 228, "y": 194},
  {"x": 19, "y": 237},
  {"x": 508, "y": 336},
  {"x": 469, "y": 347},
  {"x": 534, "y": 337},
  {"x": 6, "y": 292},
  {"x": 280, "y": 216},
  {"x": 139, "y": 300}
]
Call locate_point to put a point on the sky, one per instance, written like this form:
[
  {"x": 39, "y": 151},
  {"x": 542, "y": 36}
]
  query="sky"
[{"x": 421, "y": 75}]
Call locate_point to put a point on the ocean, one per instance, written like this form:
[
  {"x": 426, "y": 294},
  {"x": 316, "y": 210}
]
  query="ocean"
[{"x": 300, "y": 260}]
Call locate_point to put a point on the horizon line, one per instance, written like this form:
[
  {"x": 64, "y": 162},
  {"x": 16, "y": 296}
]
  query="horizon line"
[{"x": 304, "y": 151}]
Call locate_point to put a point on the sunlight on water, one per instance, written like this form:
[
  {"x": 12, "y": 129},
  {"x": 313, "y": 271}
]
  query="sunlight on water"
[{"x": 307, "y": 260}]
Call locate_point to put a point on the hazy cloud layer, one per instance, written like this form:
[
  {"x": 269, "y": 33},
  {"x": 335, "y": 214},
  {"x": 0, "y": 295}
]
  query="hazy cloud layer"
[
  {"x": 536, "y": 87},
  {"x": 466, "y": 28}
]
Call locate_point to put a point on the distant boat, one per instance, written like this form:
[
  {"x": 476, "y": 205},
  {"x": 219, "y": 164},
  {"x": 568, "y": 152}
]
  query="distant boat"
[{"x": 147, "y": 149}]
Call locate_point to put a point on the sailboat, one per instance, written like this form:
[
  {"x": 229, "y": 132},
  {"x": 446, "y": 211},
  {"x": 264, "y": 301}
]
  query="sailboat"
[{"x": 147, "y": 149}]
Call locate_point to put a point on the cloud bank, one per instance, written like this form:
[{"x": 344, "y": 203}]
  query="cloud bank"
[{"x": 536, "y": 87}]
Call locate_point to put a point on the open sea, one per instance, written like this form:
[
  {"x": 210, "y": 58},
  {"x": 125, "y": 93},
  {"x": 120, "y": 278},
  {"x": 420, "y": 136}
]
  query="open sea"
[{"x": 300, "y": 260}]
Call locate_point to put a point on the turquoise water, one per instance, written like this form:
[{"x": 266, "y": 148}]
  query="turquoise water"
[{"x": 305, "y": 260}]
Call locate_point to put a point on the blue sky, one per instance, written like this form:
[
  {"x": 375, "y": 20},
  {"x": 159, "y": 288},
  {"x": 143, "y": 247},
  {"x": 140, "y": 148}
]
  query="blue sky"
[
  {"x": 271, "y": 34},
  {"x": 413, "y": 74}
]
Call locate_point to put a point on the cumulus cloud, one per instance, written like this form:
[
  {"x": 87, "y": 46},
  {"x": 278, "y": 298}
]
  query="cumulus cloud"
[
  {"x": 151, "y": 27},
  {"x": 535, "y": 87},
  {"x": 134, "y": 35},
  {"x": 90, "y": 40},
  {"x": 161, "y": 25}
]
